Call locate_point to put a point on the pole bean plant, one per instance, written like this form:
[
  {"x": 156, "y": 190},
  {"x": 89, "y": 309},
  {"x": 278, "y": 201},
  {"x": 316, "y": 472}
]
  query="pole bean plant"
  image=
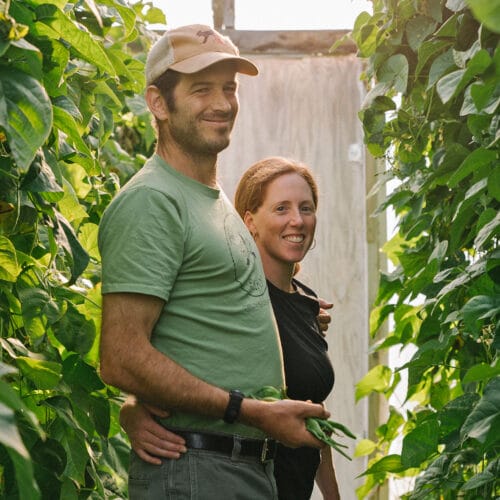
[
  {"x": 431, "y": 115},
  {"x": 70, "y": 77}
]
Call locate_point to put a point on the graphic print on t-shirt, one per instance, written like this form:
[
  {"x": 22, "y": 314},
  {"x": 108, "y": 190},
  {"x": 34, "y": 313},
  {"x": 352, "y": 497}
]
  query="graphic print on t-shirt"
[{"x": 244, "y": 255}]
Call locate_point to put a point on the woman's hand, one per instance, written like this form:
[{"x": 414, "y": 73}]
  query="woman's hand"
[
  {"x": 324, "y": 317},
  {"x": 150, "y": 440}
]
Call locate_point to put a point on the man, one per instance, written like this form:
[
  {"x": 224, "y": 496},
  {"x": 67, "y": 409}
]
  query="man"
[{"x": 187, "y": 324}]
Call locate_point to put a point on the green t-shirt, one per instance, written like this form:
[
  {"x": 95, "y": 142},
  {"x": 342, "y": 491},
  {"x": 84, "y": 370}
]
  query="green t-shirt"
[{"x": 170, "y": 236}]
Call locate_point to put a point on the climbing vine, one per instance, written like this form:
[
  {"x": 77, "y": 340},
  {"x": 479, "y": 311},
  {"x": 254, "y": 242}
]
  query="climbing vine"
[
  {"x": 70, "y": 76},
  {"x": 431, "y": 112}
]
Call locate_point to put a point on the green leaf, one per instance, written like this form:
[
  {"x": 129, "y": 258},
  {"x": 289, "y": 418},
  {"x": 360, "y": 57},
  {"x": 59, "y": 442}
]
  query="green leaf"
[
  {"x": 420, "y": 443},
  {"x": 88, "y": 239},
  {"x": 418, "y": 29},
  {"x": 480, "y": 373},
  {"x": 38, "y": 303},
  {"x": 487, "y": 232},
  {"x": 486, "y": 412},
  {"x": 449, "y": 84},
  {"x": 78, "y": 373},
  {"x": 365, "y": 447},
  {"x": 78, "y": 258},
  {"x": 77, "y": 454},
  {"x": 378, "y": 379},
  {"x": 70, "y": 206},
  {"x": 25, "y": 479},
  {"x": 80, "y": 40},
  {"x": 429, "y": 49},
  {"x": 378, "y": 315},
  {"x": 478, "y": 158},
  {"x": 74, "y": 331},
  {"x": 479, "y": 308},
  {"x": 389, "y": 463},
  {"x": 25, "y": 114},
  {"x": 395, "y": 71},
  {"x": 494, "y": 183},
  {"x": 41, "y": 179},
  {"x": 440, "y": 66},
  {"x": 486, "y": 12},
  {"x": 9, "y": 267},
  {"x": 11, "y": 399},
  {"x": 65, "y": 122},
  {"x": 44, "y": 374},
  {"x": 9, "y": 434}
]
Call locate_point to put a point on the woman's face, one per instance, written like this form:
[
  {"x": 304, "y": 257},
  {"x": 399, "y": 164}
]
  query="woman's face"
[{"x": 284, "y": 224}]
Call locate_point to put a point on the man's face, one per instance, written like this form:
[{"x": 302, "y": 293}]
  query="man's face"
[{"x": 205, "y": 107}]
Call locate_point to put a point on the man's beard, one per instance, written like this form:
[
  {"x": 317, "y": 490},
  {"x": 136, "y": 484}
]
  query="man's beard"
[{"x": 193, "y": 142}]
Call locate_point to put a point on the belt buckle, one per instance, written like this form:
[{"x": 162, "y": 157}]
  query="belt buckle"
[{"x": 263, "y": 455}]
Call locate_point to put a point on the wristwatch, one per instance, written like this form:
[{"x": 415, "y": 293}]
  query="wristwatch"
[{"x": 233, "y": 407}]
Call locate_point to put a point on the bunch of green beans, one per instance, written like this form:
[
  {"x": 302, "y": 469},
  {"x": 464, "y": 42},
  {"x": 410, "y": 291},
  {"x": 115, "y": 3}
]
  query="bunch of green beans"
[{"x": 320, "y": 428}]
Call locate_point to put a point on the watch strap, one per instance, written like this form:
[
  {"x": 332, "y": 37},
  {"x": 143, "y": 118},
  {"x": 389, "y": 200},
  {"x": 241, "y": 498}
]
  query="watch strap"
[{"x": 233, "y": 407}]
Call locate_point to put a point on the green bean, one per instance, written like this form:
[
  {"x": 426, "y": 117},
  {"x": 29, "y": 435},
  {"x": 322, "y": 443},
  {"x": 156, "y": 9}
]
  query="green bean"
[{"x": 320, "y": 428}]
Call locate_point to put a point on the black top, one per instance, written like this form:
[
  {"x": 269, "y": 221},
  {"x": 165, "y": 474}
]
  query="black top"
[{"x": 308, "y": 374}]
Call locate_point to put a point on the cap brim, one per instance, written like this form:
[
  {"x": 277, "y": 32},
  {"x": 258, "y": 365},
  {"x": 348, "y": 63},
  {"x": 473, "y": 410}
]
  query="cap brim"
[{"x": 202, "y": 61}]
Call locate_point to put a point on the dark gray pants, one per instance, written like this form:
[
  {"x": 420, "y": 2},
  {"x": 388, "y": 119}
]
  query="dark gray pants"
[{"x": 202, "y": 475}]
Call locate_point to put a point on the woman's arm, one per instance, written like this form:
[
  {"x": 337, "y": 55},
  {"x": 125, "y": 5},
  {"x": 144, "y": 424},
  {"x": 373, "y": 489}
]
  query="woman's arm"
[
  {"x": 150, "y": 440},
  {"x": 325, "y": 476}
]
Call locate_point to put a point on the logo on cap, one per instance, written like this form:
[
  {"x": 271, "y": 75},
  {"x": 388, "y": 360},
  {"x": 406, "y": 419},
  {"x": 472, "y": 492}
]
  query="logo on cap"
[{"x": 207, "y": 33}]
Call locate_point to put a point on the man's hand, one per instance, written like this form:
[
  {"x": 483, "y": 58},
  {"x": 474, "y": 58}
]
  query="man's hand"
[
  {"x": 284, "y": 420},
  {"x": 148, "y": 438},
  {"x": 324, "y": 317}
]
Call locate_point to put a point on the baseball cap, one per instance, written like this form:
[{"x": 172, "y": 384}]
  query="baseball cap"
[{"x": 189, "y": 49}]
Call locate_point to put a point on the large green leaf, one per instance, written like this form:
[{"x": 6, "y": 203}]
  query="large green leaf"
[
  {"x": 9, "y": 267},
  {"x": 395, "y": 71},
  {"x": 74, "y": 331},
  {"x": 43, "y": 374},
  {"x": 378, "y": 379},
  {"x": 488, "y": 231},
  {"x": 476, "y": 159},
  {"x": 418, "y": 29},
  {"x": 481, "y": 372},
  {"x": 64, "y": 28},
  {"x": 478, "y": 308},
  {"x": 389, "y": 463},
  {"x": 420, "y": 443},
  {"x": 25, "y": 114},
  {"x": 485, "y": 415}
]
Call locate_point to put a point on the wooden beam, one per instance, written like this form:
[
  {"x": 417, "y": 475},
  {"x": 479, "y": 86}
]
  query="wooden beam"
[{"x": 314, "y": 42}]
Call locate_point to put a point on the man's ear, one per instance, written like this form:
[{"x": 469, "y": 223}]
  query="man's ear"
[
  {"x": 249, "y": 223},
  {"x": 156, "y": 103}
]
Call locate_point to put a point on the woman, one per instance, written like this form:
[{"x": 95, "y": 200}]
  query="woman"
[{"x": 277, "y": 199}]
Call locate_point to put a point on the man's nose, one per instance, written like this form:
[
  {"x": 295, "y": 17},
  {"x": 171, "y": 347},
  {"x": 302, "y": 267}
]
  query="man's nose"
[{"x": 221, "y": 102}]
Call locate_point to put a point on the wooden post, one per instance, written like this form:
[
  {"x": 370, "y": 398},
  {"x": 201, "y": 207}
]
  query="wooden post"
[{"x": 223, "y": 14}]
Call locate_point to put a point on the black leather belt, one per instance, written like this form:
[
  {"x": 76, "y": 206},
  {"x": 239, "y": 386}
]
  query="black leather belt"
[{"x": 263, "y": 450}]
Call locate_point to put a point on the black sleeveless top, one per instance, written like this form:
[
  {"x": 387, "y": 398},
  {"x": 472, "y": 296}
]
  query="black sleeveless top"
[{"x": 308, "y": 374}]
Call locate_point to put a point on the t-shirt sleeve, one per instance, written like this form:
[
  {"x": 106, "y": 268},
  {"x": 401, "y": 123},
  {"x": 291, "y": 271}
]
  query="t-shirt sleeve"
[{"x": 141, "y": 240}]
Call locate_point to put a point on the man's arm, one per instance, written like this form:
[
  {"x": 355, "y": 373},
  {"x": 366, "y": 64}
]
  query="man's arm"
[{"x": 130, "y": 362}]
